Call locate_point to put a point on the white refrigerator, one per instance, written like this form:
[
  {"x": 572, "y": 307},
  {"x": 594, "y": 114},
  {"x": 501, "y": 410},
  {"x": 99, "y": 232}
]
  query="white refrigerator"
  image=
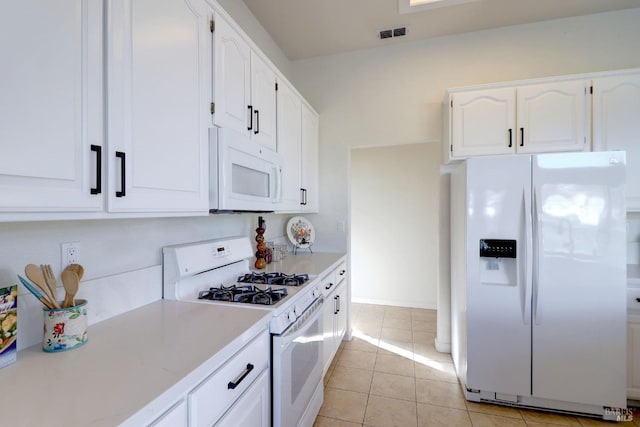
[{"x": 538, "y": 271}]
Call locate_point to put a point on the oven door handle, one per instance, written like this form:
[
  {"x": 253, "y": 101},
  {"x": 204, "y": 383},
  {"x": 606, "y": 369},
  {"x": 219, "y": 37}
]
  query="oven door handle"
[{"x": 292, "y": 333}]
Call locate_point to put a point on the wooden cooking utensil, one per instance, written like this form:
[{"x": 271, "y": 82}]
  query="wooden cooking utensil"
[
  {"x": 79, "y": 269},
  {"x": 36, "y": 275},
  {"x": 71, "y": 284},
  {"x": 50, "y": 280}
]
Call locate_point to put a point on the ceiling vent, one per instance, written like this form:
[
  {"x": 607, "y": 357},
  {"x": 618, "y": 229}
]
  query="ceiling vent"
[{"x": 396, "y": 32}]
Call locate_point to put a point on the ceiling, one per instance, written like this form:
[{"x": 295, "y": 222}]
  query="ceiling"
[{"x": 309, "y": 28}]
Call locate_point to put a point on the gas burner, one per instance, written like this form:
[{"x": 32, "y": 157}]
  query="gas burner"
[
  {"x": 245, "y": 294},
  {"x": 257, "y": 278},
  {"x": 280, "y": 279}
]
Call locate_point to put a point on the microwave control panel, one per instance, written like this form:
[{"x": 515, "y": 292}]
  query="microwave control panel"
[{"x": 497, "y": 248}]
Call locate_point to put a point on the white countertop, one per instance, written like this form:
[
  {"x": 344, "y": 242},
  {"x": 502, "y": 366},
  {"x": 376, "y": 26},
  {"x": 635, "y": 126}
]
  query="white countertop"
[
  {"x": 137, "y": 364},
  {"x": 145, "y": 358},
  {"x": 305, "y": 263}
]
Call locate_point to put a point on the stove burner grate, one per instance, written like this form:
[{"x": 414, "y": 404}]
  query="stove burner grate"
[
  {"x": 245, "y": 294},
  {"x": 279, "y": 279}
]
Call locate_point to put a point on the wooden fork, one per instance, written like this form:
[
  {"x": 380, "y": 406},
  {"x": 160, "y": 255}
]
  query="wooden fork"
[{"x": 50, "y": 280}]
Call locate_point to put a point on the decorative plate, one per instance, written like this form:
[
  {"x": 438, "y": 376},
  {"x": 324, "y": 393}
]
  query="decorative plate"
[{"x": 300, "y": 232}]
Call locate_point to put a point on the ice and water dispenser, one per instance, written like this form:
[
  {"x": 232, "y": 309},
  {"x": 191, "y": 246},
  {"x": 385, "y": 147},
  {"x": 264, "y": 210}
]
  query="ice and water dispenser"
[{"x": 498, "y": 263}]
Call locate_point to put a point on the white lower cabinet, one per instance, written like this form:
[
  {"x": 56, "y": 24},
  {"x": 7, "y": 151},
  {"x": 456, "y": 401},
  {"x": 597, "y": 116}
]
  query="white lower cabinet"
[
  {"x": 176, "y": 416},
  {"x": 213, "y": 396},
  {"x": 336, "y": 304},
  {"x": 253, "y": 408},
  {"x": 633, "y": 357}
]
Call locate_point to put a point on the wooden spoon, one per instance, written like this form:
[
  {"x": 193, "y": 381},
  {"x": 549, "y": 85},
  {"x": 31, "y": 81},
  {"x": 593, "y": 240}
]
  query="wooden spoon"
[
  {"x": 71, "y": 284},
  {"x": 35, "y": 274},
  {"x": 79, "y": 269}
]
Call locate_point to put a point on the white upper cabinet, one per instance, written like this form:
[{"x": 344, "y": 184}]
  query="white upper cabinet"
[
  {"x": 553, "y": 117},
  {"x": 540, "y": 118},
  {"x": 289, "y": 146},
  {"x": 244, "y": 87},
  {"x": 483, "y": 122},
  {"x": 616, "y": 125},
  {"x": 263, "y": 100},
  {"x": 159, "y": 86},
  {"x": 232, "y": 78},
  {"x": 51, "y": 128},
  {"x": 309, "y": 181}
]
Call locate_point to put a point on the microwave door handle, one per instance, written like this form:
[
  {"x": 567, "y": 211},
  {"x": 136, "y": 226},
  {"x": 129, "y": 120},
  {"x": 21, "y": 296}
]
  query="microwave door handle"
[{"x": 277, "y": 172}]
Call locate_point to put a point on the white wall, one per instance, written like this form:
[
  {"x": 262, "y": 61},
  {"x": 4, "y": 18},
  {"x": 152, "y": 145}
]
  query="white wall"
[
  {"x": 393, "y": 95},
  {"x": 394, "y": 211},
  {"x": 109, "y": 247}
]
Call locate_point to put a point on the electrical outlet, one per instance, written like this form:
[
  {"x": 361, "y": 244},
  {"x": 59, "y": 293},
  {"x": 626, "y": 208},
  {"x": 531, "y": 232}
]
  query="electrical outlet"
[{"x": 69, "y": 254}]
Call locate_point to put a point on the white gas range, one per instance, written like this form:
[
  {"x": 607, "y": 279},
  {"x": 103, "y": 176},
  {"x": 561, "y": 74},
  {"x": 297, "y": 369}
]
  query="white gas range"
[{"x": 215, "y": 272}]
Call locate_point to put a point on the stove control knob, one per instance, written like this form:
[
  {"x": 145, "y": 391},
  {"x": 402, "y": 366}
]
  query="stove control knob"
[{"x": 291, "y": 316}]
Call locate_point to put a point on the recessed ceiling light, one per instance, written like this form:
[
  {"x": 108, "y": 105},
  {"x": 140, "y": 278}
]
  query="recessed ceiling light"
[{"x": 410, "y": 6}]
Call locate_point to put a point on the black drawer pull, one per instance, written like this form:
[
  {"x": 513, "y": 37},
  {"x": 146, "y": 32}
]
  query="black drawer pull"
[
  {"x": 250, "y": 107},
  {"x": 329, "y": 286},
  {"x": 257, "y": 131},
  {"x": 342, "y": 272},
  {"x": 637, "y": 299},
  {"x": 123, "y": 174},
  {"x": 521, "y": 137},
  {"x": 510, "y": 138},
  {"x": 233, "y": 384},
  {"x": 98, "y": 151}
]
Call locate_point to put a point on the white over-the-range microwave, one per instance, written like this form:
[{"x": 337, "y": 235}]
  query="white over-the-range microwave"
[{"x": 243, "y": 175}]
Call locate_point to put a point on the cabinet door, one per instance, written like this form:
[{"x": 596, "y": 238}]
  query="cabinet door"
[
  {"x": 289, "y": 134},
  {"x": 253, "y": 408},
  {"x": 483, "y": 122},
  {"x": 616, "y": 125},
  {"x": 51, "y": 105},
  {"x": 176, "y": 416},
  {"x": 633, "y": 360},
  {"x": 341, "y": 315},
  {"x": 553, "y": 117},
  {"x": 328, "y": 320},
  {"x": 263, "y": 99},
  {"x": 158, "y": 110},
  {"x": 309, "y": 161},
  {"x": 232, "y": 79}
]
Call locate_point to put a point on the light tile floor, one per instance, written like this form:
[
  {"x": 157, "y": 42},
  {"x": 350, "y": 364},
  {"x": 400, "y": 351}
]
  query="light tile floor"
[{"x": 390, "y": 375}]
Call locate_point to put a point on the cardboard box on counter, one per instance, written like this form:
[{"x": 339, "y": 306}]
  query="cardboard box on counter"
[{"x": 8, "y": 325}]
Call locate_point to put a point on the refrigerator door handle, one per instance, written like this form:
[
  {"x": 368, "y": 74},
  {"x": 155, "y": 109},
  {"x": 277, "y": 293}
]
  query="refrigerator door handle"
[
  {"x": 525, "y": 291},
  {"x": 535, "y": 276}
]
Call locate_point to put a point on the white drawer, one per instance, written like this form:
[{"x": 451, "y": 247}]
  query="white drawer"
[
  {"x": 209, "y": 400},
  {"x": 633, "y": 297}
]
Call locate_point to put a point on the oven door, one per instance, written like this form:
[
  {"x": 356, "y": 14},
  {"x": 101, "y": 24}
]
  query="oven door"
[
  {"x": 244, "y": 176},
  {"x": 297, "y": 366}
]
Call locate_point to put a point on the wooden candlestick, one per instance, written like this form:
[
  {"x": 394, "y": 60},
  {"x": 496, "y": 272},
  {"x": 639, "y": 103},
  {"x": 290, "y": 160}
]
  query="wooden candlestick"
[{"x": 261, "y": 253}]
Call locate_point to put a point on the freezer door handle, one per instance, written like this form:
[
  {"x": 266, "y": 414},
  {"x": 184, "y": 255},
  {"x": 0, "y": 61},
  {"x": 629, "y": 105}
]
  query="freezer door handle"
[
  {"x": 537, "y": 315},
  {"x": 525, "y": 291}
]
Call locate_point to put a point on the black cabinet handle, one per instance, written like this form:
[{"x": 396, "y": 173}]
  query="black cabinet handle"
[
  {"x": 637, "y": 299},
  {"x": 250, "y": 107},
  {"x": 335, "y": 305},
  {"x": 329, "y": 286},
  {"x": 233, "y": 384},
  {"x": 257, "y": 122},
  {"x": 342, "y": 272},
  {"x": 521, "y": 137},
  {"x": 510, "y": 138},
  {"x": 98, "y": 151},
  {"x": 120, "y": 155},
  {"x": 302, "y": 196},
  {"x": 338, "y": 297}
]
